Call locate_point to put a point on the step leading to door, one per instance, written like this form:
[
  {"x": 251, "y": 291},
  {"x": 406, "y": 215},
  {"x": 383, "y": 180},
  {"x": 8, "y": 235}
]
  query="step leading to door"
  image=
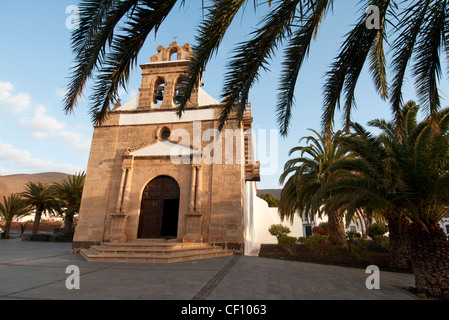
[{"x": 152, "y": 252}]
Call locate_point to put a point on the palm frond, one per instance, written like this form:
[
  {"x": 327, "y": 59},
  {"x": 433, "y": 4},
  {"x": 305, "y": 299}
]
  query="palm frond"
[
  {"x": 403, "y": 47},
  {"x": 124, "y": 52},
  {"x": 427, "y": 67},
  {"x": 346, "y": 68},
  {"x": 252, "y": 56},
  {"x": 98, "y": 19},
  {"x": 296, "y": 52},
  {"x": 210, "y": 34},
  {"x": 99, "y": 46},
  {"x": 13, "y": 207},
  {"x": 377, "y": 65}
]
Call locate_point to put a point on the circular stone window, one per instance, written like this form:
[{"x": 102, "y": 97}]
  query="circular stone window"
[{"x": 165, "y": 134}]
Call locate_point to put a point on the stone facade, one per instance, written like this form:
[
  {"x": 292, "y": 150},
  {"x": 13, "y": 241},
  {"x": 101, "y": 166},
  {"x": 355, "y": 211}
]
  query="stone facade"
[{"x": 135, "y": 146}]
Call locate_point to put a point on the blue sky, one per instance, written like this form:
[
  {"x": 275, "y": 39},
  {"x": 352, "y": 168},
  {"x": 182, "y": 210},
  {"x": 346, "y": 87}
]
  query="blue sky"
[{"x": 37, "y": 136}]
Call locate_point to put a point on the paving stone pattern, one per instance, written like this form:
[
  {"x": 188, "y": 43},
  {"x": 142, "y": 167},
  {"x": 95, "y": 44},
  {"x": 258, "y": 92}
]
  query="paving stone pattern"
[{"x": 33, "y": 270}]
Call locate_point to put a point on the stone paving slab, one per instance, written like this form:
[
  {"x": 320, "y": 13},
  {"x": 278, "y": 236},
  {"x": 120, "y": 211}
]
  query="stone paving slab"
[
  {"x": 289, "y": 280},
  {"x": 37, "y": 270}
]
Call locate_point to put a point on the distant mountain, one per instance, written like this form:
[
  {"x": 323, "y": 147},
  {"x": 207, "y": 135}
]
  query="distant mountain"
[
  {"x": 16, "y": 183},
  {"x": 275, "y": 192}
]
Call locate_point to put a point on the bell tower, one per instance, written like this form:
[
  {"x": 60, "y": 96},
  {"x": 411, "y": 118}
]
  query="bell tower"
[{"x": 162, "y": 78}]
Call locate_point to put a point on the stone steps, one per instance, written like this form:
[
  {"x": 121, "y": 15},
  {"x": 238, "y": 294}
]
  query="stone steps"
[{"x": 152, "y": 252}]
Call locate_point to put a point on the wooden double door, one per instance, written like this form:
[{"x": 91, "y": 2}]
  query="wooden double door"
[{"x": 159, "y": 211}]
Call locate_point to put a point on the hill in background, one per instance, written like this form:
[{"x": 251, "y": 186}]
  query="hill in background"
[{"x": 16, "y": 183}]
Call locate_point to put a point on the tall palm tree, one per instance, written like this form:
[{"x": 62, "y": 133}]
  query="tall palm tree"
[
  {"x": 70, "y": 191},
  {"x": 406, "y": 177},
  {"x": 42, "y": 198},
  {"x": 415, "y": 31},
  {"x": 369, "y": 186},
  {"x": 12, "y": 208},
  {"x": 305, "y": 176}
]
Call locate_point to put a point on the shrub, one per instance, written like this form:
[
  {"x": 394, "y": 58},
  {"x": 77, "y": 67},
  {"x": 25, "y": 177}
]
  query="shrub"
[
  {"x": 383, "y": 241},
  {"x": 337, "y": 250},
  {"x": 351, "y": 235},
  {"x": 324, "y": 225},
  {"x": 23, "y": 227},
  {"x": 302, "y": 240},
  {"x": 278, "y": 230},
  {"x": 359, "y": 248},
  {"x": 315, "y": 242},
  {"x": 365, "y": 243},
  {"x": 376, "y": 230},
  {"x": 319, "y": 230},
  {"x": 324, "y": 248},
  {"x": 288, "y": 244}
]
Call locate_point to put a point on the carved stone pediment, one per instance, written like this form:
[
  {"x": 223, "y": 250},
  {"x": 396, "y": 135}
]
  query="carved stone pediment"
[{"x": 162, "y": 148}]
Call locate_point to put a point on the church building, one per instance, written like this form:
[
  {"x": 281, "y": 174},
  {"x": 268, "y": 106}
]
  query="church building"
[{"x": 156, "y": 178}]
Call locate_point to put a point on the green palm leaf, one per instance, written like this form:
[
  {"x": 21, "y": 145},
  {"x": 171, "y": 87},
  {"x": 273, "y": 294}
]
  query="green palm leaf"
[
  {"x": 210, "y": 34},
  {"x": 295, "y": 54}
]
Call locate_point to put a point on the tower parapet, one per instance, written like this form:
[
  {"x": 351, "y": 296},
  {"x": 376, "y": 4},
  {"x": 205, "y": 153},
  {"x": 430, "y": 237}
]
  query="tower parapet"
[{"x": 168, "y": 54}]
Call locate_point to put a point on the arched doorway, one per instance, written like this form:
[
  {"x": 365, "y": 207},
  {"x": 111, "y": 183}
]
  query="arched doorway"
[{"x": 159, "y": 211}]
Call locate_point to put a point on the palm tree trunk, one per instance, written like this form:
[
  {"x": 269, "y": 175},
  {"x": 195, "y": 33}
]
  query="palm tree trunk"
[
  {"x": 429, "y": 253},
  {"x": 7, "y": 229},
  {"x": 69, "y": 220},
  {"x": 69, "y": 217},
  {"x": 37, "y": 220},
  {"x": 336, "y": 229},
  {"x": 68, "y": 223},
  {"x": 399, "y": 255}
]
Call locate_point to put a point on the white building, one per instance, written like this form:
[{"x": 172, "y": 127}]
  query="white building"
[{"x": 259, "y": 217}]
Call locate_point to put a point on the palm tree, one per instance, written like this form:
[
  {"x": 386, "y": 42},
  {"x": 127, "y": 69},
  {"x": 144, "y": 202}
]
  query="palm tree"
[
  {"x": 70, "y": 192},
  {"x": 42, "y": 199},
  {"x": 369, "y": 186},
  {"x": 12, "y": 208},
  {"x": 415, "y": 32},
  {"x": 307, "y": 175},
  {"x": 407, "y": 178}
]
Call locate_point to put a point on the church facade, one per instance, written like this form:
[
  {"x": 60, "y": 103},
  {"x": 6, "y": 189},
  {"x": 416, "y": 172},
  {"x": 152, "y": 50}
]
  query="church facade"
[{"x": 154, "y": 175}]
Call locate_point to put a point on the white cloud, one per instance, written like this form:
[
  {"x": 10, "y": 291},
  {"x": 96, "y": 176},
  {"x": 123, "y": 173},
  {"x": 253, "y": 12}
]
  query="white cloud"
[
  {"x": 21, "y": 161},
  {"x": 46, "y": 127},
  {"x": 14, "y": 103},
  {"x": 41, "y": 122},
  {"x": 55, "y": 139},
  {"x": 75, "y": 140},
  {"x": 5, "y": 90},
  {"x": 4, "y": 172}
]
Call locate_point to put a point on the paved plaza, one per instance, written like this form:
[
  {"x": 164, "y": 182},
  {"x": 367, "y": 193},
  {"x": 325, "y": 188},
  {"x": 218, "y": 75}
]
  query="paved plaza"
[{"x": 37, "y": 270}]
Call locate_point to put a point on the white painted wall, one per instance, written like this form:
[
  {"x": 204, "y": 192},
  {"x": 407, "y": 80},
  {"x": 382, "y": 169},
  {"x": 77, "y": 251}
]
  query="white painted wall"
[
  {"x": 258, "y": 219},
  {"x": 127, "y": 119}
]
